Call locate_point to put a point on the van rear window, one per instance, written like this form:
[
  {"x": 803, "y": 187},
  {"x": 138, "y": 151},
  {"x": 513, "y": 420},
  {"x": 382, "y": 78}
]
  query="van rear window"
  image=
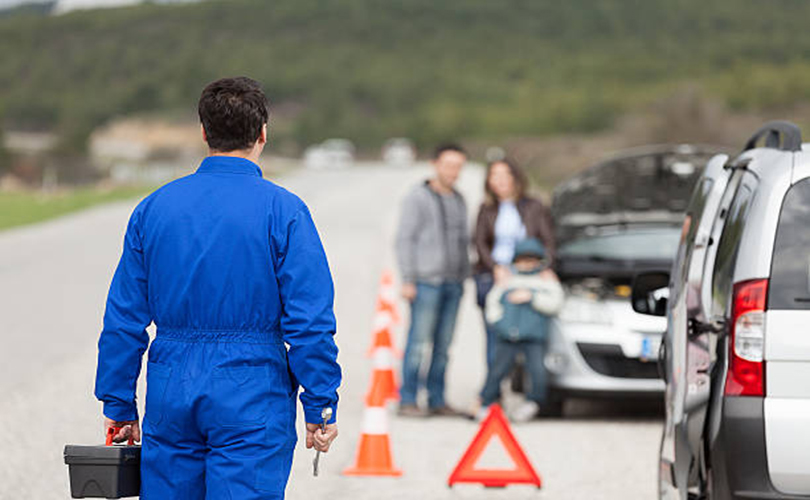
[
  {"x": 729, "y": 246},
  {"x": 789, "y": 286}
]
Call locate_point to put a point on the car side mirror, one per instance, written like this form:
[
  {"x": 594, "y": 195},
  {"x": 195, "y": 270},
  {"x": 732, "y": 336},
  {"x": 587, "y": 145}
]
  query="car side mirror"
[{"x": 650, "y": 293}]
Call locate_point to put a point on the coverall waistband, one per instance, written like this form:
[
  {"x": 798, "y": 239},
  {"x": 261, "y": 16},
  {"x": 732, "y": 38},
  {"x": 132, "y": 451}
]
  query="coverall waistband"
[{"x": 240, "y": 336}]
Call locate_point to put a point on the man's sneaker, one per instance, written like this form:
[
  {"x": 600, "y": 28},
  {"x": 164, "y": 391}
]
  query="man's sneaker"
[
  {"x": 410, "y": 411},
  {"x": 482, "y": 413},
  {"x": 526, "y": 412}
]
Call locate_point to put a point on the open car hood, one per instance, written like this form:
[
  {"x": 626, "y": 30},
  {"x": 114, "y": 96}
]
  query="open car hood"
[{"x": 650, "y": 185}]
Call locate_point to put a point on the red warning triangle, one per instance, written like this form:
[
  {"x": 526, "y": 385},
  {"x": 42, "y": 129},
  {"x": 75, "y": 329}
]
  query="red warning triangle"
[{"x": 494, "y": 425}]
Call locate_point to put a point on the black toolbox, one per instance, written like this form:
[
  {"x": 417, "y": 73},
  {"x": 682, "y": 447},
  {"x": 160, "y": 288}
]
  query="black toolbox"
[{"x": 104, "y": 471}]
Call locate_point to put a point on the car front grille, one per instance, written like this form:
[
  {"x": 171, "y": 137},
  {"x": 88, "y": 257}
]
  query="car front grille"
[{"x": 609, "y": 360}]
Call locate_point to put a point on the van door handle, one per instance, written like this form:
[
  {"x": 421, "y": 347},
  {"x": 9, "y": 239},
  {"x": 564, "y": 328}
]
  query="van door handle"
[{"x": 696, "y": 327}]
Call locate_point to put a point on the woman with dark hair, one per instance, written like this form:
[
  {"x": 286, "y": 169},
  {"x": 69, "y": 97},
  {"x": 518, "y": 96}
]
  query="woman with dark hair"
[{"x": 508, "y": 215}]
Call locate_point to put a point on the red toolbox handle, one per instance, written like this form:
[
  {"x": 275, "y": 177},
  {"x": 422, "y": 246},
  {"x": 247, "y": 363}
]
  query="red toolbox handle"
[{"x": 112, "y": 431}]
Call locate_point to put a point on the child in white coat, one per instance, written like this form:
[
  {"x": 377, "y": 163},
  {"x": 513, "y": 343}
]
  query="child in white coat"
[{"x": 519, "y": 309}]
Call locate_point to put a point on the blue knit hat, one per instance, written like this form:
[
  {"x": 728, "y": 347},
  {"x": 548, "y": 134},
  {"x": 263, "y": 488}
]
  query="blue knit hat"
[{"x": 530, "y": 247}]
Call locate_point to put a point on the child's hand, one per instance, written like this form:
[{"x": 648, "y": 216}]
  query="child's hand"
[
  {"x": 519, "y": 296},
  {"x": 548, "y": 274}
]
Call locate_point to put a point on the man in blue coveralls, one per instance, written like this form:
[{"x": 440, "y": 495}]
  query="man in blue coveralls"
[{"x": 230, "y": 268}]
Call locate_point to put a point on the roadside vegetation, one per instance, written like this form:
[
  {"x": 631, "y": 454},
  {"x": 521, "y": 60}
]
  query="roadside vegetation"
[
  {"x": 26, "y": 207},
  {"x": 373, "y": 69},
  {"x": 556, "y": 84}
]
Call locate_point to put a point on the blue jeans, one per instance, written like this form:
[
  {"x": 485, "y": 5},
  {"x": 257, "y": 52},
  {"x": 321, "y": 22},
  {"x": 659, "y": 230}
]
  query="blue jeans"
[
  {"x": 433, "y": 320},
  {"x": 484, "y": 283},
  {"x": 504, "y": 362}
]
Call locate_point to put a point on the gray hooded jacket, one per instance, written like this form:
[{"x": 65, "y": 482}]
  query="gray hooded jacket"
[{"x": 433, "y": 238}]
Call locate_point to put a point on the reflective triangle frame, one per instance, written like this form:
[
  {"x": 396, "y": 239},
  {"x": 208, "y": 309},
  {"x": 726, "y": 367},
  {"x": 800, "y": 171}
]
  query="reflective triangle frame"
[{"x": 495, "y": 424}]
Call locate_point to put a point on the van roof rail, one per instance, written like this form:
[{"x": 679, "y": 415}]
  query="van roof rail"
[{"x": 779, "y": 134}]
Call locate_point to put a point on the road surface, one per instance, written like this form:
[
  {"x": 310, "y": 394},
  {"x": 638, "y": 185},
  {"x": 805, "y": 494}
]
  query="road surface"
[{"x": 53, "y": 281}]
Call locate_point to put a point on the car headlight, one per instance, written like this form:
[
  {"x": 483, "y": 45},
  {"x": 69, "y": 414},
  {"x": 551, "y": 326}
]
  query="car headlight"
[
  {"x": 583, "y": 310},
  {"x": 556, "y": 362}
]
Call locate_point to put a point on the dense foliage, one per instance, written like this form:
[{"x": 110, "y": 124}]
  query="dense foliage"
[{"x": 372, "y": 69}]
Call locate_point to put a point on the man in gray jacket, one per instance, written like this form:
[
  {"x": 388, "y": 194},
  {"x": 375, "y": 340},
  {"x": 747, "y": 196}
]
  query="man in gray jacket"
[{"x": 431, "y": 245}]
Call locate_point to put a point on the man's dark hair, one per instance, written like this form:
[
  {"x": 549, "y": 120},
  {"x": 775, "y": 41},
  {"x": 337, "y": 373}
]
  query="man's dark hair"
[
  {"x": 448, "y": 146},
  {"x": 232, "y": 112}
]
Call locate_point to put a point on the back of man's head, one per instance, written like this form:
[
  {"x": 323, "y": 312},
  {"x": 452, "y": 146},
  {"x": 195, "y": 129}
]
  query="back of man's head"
[{"x": 233, "y": 112}]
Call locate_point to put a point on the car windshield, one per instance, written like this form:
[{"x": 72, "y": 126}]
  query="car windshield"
[{"x": 647, "y": 244}]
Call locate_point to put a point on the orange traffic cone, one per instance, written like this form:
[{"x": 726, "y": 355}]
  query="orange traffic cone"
[
  {"x": 382, "y": 339},
  {"x": 387, "y": 306},
  {"x": 383, "y": 380},
  {"x": 374, "y": 451},
  {"x": 387, "y": 298},
  {"x": 387, "y": 278},
  {"x": 382, "y": 336}
]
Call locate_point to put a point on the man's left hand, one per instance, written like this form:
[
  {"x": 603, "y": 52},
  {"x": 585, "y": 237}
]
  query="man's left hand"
[
  {"x": 319, "y": 439},
  {"x": 129, "y": 429}
]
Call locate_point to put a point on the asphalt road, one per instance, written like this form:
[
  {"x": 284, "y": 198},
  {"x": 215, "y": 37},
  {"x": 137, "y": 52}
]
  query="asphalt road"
[{"x": 53, "y": 281}]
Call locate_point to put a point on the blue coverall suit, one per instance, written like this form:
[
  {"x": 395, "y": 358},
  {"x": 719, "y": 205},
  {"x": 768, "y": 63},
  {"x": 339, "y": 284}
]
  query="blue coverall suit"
[{"x": 230, "y": 268}]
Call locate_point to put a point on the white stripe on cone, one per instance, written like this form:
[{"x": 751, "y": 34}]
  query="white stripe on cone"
[
  {"x": 388, "y": 294},
  {"x": 375, "y": 421},
  {"x": 383, "y": 358},
  {"x": 382, "y": 320}
]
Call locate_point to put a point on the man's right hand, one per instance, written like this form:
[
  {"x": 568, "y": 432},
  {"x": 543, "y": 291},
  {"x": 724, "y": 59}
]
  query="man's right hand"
[
  {"x": 409, "y": 291},
  {"x": 320, "y": 439}
]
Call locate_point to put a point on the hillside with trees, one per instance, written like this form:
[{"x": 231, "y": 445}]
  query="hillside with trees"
[{"x": 372, "y": 69}]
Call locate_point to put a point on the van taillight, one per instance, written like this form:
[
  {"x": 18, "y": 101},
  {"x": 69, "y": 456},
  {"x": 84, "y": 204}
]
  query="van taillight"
[{"x": 746, "y": 372}]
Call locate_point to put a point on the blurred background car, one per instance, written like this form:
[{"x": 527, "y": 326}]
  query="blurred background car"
[
  {"x": 330, "y": 154},
  {"x": 315, "y": 157},
  {"x": 617, "y": 218},
  {"x": 399, "y": 152}
]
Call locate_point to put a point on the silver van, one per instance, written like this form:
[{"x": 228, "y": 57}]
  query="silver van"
[{"x": 736, "y": 353}]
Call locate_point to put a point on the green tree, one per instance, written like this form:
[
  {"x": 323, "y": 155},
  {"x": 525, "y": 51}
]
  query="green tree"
[{"x": 372, "y": 69}]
